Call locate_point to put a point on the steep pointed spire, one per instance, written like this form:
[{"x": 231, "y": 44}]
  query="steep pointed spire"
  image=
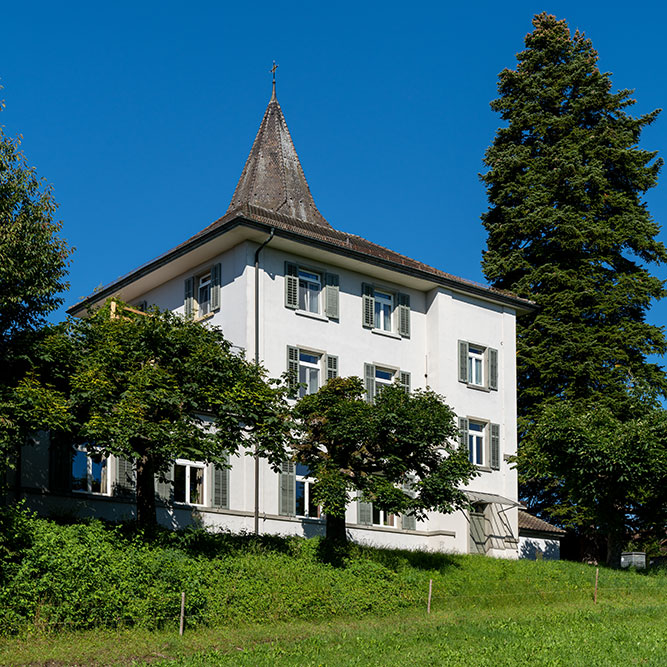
[{"x": 272, "y": 178}]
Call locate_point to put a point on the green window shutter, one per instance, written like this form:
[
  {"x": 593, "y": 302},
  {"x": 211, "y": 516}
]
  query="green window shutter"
[
  {"x": 404, "y": 381},
  {"x": 164, "y": 489},
  {"x": 463, "y": 361},
  {"x": 409, "y": 522},
  {"x": 189, "y": 296},
  {"x": 492, "y": 361},
  {"x": 287, "y": 499},
  {"x": 220, "y": 495},
  {"x": 495, "y": 446},
  {"x": 291, "y": 285},
  {"x": 369, "y": 381},
  {"x": 364, "y": 513},
  {"x": 292, "y": 365},
  {"x": 463, "y": 433},
  {"x": 125, "y": 484},
  {"x": 368, "y": 306},
  {"x": 404, "y": 315},
  {"x": 331, "y": 296},
  {"x": 332, "y": 366},
  {"x": 142, "y": 306},
  {"x": 216, "y": 272}
]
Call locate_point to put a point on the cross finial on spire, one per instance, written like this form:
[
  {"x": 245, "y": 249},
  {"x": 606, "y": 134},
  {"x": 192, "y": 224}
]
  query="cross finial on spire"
[{"x": 273, "y": 71}]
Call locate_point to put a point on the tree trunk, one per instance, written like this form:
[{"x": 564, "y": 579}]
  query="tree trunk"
[
  {"x": 614, "y": 549},
  {"x": 336, "y": 531},
  {"x": 146, "y": 517}
]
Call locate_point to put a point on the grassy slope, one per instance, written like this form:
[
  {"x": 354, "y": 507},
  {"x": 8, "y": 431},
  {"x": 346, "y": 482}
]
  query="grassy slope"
[{"x": 272, "y": 601}]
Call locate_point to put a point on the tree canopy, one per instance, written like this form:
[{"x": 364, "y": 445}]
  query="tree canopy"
[
  {"x": 150, "y": 388},
  {"x": 568, "y": 228},
  {"x": 399, "y": 452},
  {"x": 33, "y": 270}
]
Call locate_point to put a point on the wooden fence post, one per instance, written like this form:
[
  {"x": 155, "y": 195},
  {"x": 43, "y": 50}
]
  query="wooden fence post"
[
  {"x": 180, "y": 631},
  {"x": 430, "y": 591},
  {"x": 595, "y": 594}
]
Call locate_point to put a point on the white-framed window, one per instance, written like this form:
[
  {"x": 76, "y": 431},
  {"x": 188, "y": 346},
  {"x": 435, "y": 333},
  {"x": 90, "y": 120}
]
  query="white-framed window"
[
  {"x": 310, "y": 287},
  {"x": 385, "y": 311},
  {"x": 204, "y": 294},
  {"x": 189, "y": 482},
  {"x": 308, "y": 367},
  {"x": 377, "y": 377},
  {"x": 309, "y": 372},
  {"x": 90, "y": 470},
  {"x": 478, "y": 366},
  {"x": 305, "y": 506},
  {"x": 477, "y": 442},
  {"x": 382, "y": 518},
  {"x": 311, "y": 291}
]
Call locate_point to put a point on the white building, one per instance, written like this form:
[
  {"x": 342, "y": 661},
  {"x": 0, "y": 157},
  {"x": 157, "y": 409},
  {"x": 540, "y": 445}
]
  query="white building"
[{"x": 286, "y": 286}]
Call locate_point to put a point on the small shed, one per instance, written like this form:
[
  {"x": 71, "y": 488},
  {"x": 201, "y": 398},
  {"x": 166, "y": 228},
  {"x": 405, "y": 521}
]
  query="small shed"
[{"x": 538, "y": 540}]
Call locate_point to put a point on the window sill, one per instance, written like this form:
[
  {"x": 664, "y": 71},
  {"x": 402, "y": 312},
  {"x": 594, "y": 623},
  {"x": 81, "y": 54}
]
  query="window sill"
[
  {"x": 483, "y": 468},
  {"x": 203, "y": 318},
  {"x": 477, "y": 387},
  {"x": 388, "y": 334},
  {"x": 312, "y": 316}
]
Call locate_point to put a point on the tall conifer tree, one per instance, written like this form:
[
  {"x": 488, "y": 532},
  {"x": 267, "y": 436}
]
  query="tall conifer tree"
[{"x": 567, "y": 227}]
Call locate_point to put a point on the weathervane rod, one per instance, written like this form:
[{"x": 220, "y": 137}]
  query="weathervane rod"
[{"x": 273, "y": 71}]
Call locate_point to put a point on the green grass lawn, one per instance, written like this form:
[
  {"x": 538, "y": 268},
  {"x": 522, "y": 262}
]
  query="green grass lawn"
[
  {"x": 629, "y": 627},
  {"x": 84, "y": 594}
]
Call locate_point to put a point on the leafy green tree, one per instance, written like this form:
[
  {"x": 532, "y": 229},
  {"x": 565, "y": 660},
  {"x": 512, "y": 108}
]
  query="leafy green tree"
[
  {"x": 153, "y": 388},
  {"x": 567, "y": 228},
  {"x": 399, "y": 452},
  {"x": 33, "y": 268}
]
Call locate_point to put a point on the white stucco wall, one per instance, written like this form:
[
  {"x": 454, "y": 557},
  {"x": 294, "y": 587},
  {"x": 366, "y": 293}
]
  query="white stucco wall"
[{"x": 439, "y": 319}]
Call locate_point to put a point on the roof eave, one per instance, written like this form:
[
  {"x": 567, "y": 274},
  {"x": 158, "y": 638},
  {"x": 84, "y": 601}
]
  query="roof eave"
[{"x": 235, "y": 219}]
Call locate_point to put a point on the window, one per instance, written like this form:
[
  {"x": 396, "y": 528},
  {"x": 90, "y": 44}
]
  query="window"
[
  {"x": 384, "y": 307},
  {"x": 90, "y": 471},
  {"x": 476, "y": 442},
  {"x": 309, "y": 373},
  {"x": 377, "y": 377},
  {"x": 382, "y": 518},
  {"x": 482, "y": 442},
  {"x": 305, "y": 506},
  {"x": 478, "y": 366},
  {"x": 385, "y": 311},
  {"x": 310, "y": 286},
  {"x": 189, "y": 482},
  {"x": 304, "y": 367},
  {"x": 311, "y": 291},
  {"x": 202, "y": 293}
]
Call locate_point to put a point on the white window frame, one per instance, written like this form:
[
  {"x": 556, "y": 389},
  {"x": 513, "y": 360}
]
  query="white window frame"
[
  {"x": 379, "y": 311},
  {"x": 204, "y": 280},
  {"x": 303, "y": 391},
  {"x": 189, "y": 465},
  {"x": 479, "y": 432},
  {"x": 381, "y": 382},
  {"x": 384, "y": 519},
  {"x": 307, "y": 481},
  {"x": 105, "y": 477},
  {"x": 477, "y": 365},
  {"x": 310, "y": 277}
]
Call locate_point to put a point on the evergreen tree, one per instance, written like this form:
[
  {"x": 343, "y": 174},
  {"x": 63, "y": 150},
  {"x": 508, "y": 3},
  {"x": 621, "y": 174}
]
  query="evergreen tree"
[{"x": 567, "y": 227}]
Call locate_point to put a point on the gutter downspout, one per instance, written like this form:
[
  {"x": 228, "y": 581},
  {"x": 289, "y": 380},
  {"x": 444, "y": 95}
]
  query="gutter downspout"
[{"x": 259, "y": 250}]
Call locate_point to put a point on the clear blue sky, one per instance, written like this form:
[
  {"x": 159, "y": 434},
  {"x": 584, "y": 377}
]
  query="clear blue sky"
[{"x": 141, "y": 114}]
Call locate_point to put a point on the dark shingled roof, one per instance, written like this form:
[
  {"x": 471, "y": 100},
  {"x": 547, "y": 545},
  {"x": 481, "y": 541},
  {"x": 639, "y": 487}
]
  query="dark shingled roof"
[
  {"x": 530, "y": 522},
  {"x": 273, "y": 192},
  {"x": 272, "y": 177}
]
